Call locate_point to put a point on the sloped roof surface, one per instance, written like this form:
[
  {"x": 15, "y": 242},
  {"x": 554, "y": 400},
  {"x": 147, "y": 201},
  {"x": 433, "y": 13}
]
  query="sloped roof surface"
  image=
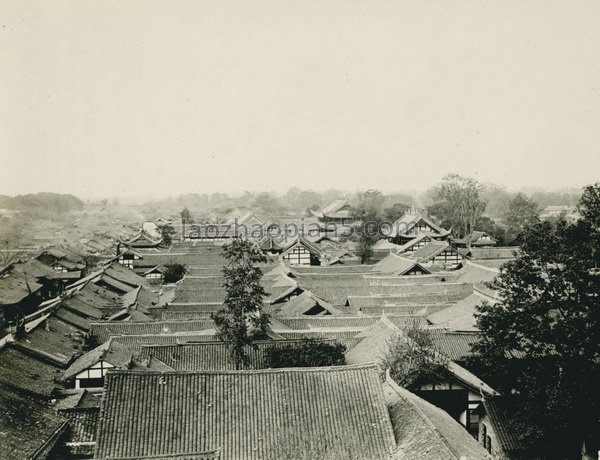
[
  {"x": 425, "y": 431},
  {"x": 461, "y": 315},
  {"x": 82, "y": 429},
  {"x": 27, "y": 373},
  {"x": 374, "y": 345},
  {"x": 215, "y": 356},
  {"x": 499, "y": 412},
  {"x": 102, "y": 330},
  {"x": 13, "y": 289},
  {"x": 430, "y": 250},
  {"x": 396, "y": 265},
  {"x": 246, "y": 414},
  {"x": 26, "y": 425}
]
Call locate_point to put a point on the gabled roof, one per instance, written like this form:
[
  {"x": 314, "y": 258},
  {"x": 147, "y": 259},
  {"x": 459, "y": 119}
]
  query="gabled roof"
[
  {"x": 425, "y": 431},
  {"x": 385, "y": 245},
  {"x": 334, "y": 206},
  {"x": 269, "y": 243},
  {"x": 300, "y": 240},
  {"x": 431, "y": 250},
  {"x": 113, "y": 353},
  {"x": 247, "y": 414},
  {"x": 473, "y": 272},
  {"x": 411, "y": 218},
  {"x": 35, "y": 269},
  {"x": 396, "y": 265},
  {"x": 14, "y": 289},
  {"x": 409, "y": 244},
  {"x": 374, "y": 346},
  {"x": 303, "y": 304}
]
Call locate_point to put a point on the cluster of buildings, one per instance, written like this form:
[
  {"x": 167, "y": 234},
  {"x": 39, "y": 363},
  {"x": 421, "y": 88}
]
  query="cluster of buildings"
[{"x": 110, "y": 362}]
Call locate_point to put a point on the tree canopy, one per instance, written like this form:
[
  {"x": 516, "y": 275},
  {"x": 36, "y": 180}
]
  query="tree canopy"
[
  {"x": 167, "y": 232},
  {"x": 459, "y": 203},
  {"x": 541, "y": 342},
  {"x": 368, "y": 215},
  {"x": 307, "y": 353},
  {"x": 522, "y": 213},
  {"x": 174, "y": 271},
  {"x": 242, "y": 321}
]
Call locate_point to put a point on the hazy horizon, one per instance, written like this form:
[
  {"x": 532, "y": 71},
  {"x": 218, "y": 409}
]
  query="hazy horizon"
[{"x": 107, "y": 98}]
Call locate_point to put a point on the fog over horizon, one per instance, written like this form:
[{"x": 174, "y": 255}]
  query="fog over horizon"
[{"x": 131, "y": 99}]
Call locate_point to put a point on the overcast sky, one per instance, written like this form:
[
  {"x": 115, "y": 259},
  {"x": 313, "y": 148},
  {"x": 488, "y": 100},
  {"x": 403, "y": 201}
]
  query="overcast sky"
[{"x": 166, "y": 97}]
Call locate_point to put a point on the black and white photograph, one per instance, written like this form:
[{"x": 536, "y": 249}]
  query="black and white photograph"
[{"x": 299, "y": 230}]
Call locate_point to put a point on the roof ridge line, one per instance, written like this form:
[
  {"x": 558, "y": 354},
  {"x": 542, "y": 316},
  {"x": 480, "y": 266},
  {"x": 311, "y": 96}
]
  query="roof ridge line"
[{"x": 283, "y": 370}]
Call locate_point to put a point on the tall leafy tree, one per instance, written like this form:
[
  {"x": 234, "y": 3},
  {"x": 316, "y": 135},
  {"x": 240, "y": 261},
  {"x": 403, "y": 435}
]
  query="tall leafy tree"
[
  {"x": 522, "y": 213},
  {"x": 167, "y": 232},
  {"x": 368, "y": 216},
  {"x": 242, "y": 321},
  {"x": 394, "y": 213},
  {"x": 459, "y": 202},
  {"x": 412, "y": 358},
  {"x": 186, "y": 215},
  {"x": 541, "y": 342}
]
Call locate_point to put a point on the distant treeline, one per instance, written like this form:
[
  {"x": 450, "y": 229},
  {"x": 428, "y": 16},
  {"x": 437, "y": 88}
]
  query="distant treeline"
[{"x": 51, "y": 202}]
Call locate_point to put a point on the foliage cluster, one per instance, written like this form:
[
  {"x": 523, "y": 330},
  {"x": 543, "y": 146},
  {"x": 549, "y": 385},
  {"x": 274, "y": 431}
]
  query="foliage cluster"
[
  {"x": 242, "y": 321},
  {"x": 541, "y": 342},
  {"x": 307, "y": 353}
]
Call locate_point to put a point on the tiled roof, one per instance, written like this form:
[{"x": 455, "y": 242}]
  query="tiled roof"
[
  {"x": 409, "y": 244},
  {"x": 247, "y": 414},
  {"x": 494, "y": 253},
  {"x": 27, "y": 373},
  {"x": 334, "y": 206},
  {"x": 72, "y": 318},
  {"x": 81, "y": 304},
  {"x": 337, "y": 335},
  {"x": 455, "y": 345},
  {"x": 169, "y": 315},
  {"x": 14, "y": 288},
  {"x": 374, "y": 345},
  {"x": 498, "y": 410},
  {"x": 102, "y": 330},
  {"x": 116, "y": 354},
  {"x": 337, "y": 322},
  {"x": 405, "y": 223},
  {"x": 52, "y": 340},
  {"x": 28, "y": 427},
  {"x": 135, "y": 342},
  {"x": 425, "y": 431},
  {"x": 461, "y": 315},
  {"x": 215, "y": 356},
  {"x": 396, "y": 265},
  {"x": 303, "y": 304},
  {"x": 330, "y": 269},
  {"x": 35, "y": 269},
  {"x": 476, "y": 239},
  {"x": 472, "y": 272},
  {"x": 430, "y": 250},
  {"x": 200, "y": 295},
  {"x": 300, "y": 240},
  {"x": 81, "y": 433}
]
